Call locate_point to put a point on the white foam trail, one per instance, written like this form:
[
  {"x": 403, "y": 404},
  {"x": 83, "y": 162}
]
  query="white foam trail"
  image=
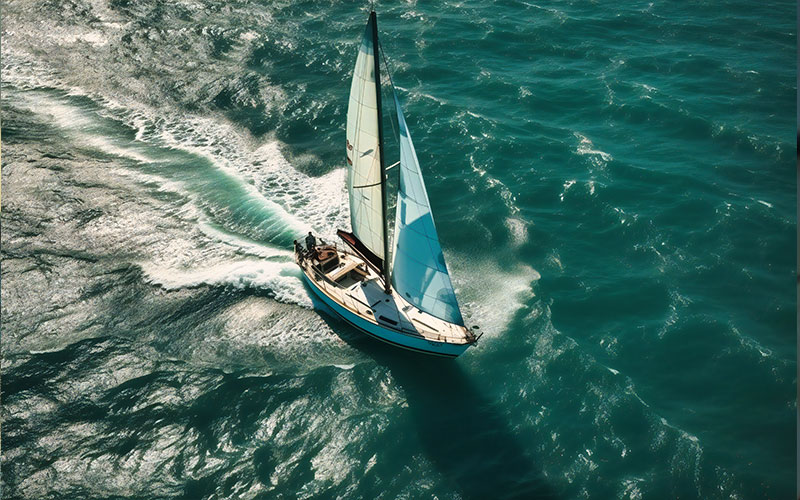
[
  {"x": 243, "y": 245},
  {"x": 164, "y": 185},
  {"x": 273, "y": 276},
  {"x": 301, "y": 201},
  {"x": 84, "y": 127},
  {"x": 75, "y": 122},
  {"x": 279, "y": 278}
]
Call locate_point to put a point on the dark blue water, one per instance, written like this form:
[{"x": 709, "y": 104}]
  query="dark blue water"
[{"x": 615, "y": 191}]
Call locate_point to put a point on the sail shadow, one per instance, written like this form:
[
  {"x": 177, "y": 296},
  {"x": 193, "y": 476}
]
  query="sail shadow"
[{"x": 462, "y": 433}]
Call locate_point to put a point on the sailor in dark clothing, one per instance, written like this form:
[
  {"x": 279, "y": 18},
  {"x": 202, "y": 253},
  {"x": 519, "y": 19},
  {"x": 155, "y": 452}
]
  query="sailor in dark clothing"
[{"x": 311, "y": 242}]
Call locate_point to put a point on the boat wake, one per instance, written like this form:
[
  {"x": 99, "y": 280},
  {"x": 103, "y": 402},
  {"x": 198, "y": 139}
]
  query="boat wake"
[{"x": 245, "y": 256}]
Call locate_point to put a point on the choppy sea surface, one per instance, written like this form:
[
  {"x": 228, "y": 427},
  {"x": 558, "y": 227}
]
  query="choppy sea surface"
[{"x": 614, "y": 186}]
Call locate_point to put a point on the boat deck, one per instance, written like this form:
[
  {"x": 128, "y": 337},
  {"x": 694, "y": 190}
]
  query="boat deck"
[{"x": 350, "y": 282}]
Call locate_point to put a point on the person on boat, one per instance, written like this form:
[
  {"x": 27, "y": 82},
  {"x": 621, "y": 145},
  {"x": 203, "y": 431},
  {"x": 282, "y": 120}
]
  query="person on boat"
[
  {"x": 311, "y": 242},
  {"x": 297, "y": 248}
]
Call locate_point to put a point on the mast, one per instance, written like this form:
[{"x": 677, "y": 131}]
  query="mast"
[{"x": 386, "y": 282}]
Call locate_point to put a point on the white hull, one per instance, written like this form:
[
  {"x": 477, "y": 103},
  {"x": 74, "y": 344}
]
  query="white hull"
[{"x": 364, "y": 305}]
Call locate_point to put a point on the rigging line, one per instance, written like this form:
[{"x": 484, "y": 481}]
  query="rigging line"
[
  {"x": 391, "y": 82},
  {"x": 385, "y": 63}
]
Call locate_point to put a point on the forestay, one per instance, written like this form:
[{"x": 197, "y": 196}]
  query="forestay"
[
  {"x": 364, "y": 170},
  {"x": 419, "y": 272}
]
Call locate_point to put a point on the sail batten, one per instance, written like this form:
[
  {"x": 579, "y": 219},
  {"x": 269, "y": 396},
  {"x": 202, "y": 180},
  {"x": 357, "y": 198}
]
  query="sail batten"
[{"x": 419, "y": 271}]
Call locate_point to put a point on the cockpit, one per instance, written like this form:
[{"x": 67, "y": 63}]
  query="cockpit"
[{"x": 341, "y": 269}]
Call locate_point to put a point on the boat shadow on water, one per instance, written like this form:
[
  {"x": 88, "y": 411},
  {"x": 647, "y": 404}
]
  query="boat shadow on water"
[{"x": 461, "y": 432}]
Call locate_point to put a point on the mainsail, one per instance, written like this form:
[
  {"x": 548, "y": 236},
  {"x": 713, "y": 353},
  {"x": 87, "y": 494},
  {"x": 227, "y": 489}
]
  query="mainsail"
[
  {"x": 419, "y": 273},
  {"x": 365, "y": 173}
]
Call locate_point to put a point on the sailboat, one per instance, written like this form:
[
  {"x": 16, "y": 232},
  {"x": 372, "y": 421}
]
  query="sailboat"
[{"x": 408, "y": 300}]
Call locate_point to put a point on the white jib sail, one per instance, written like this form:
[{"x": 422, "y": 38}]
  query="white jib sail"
[
  {"x": 419, "y": 272},
  {"x": 364, "y": 172}
]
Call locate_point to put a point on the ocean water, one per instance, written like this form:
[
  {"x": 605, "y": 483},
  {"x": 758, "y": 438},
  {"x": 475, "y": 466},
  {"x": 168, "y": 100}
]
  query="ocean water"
[{"x": 615, "y": 190}]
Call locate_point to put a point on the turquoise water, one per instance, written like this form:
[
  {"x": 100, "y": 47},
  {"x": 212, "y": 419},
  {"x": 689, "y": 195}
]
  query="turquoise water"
[{"x": 615, "y": 191}]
